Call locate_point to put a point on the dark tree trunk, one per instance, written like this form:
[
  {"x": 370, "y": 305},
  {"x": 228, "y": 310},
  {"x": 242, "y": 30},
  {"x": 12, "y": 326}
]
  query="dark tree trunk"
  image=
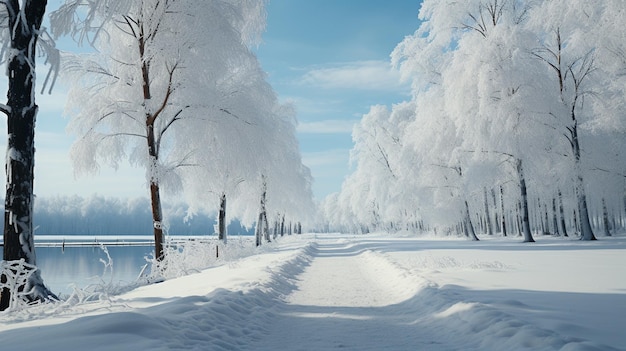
[
  {"x": 153, "y": 152},
  {"x": 547, "y": 221},
  {"x": 221, "y": 219},
  {"x": 519, "y": 218},
  {"x": 503, "y": 225},
  {"x": 21, "y": 110},
  {"x": 155, "y": 197},
  {"x": 605, "y": 219},
  {"x": 528, "y": 237},
  {"x": 495, "y": 206},
  {"x": 555, "y": 222},
  {"x": 282, "y": 226},
  {"x": 624, "y": 212},
  {"x": 562, "y": 213},
  {"x": 487, "y": 217},
  {"x": 468, "y": 222},
  {"x": 258, "y": 231}
]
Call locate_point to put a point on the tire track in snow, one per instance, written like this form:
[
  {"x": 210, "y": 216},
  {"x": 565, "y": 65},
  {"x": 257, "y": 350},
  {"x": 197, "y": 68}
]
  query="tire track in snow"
[
  {"x": 344, "y": 280},
  {"x": 348, "y": 298}
]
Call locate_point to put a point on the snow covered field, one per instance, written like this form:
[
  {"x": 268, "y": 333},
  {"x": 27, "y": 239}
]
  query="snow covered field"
[{"x": 365, "y": 292}]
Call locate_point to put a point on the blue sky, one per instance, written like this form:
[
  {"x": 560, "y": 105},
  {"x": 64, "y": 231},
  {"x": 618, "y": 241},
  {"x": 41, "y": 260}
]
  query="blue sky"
[{"x": 330, "y": 58}]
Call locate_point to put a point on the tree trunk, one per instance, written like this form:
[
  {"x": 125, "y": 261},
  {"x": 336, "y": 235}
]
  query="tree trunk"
[
  {"x": 503, "y": 225},
  {"x": 221, "y": 219},
  {"x": 585, "y": 226},
  {"x": 624, "y": 212},
  {"x": 258, "y": 231},
  {"x": 562, "y": 213},
  {"x": 487, "y": 217},
  {"x": 540, "y": 215},
  {"x": 262, "y": 227},
  {"x": 547, "y": 221},
  {"x": 155, "y": 198},
  {"x": 157, "y": 220},
  {"x": 605, "y": 218},
  {"x": 282, "y": 226},
  {"x": 21, "y": 110},
  {"x": 555, "y": 222},
  {"x": 266, "y": 228},
  {"x": 528, "y": 237},
  {"x": 495, "y": 214},
  {"x": 275, "y": 229},
  {"x": 468, "y": 222}
]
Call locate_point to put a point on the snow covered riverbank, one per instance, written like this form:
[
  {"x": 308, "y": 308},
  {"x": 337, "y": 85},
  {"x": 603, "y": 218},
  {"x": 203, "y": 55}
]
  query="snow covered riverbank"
[{"x": 373, "y": 292}]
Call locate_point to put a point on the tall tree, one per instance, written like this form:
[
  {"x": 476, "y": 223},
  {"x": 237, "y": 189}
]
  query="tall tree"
[
  {"x": 159, "y": 87},
  {"x": 21, "y": 28},
  {"x": 571, "y": 60}
]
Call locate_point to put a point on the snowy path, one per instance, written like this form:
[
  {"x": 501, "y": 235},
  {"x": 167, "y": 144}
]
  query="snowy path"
[
  {"x": 347, "y": 299},
  {"x": 364, "y": 294},
  {"x": 360, "y": 292}
]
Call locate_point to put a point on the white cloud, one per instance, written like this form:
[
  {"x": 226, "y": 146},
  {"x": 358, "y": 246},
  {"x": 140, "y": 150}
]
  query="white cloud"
[
  {"x": 327, "y": 127},
  {"x": 308, "y": 105},
  {"x": 326, "y": 158},
  {"x": 358, "y": 75}
]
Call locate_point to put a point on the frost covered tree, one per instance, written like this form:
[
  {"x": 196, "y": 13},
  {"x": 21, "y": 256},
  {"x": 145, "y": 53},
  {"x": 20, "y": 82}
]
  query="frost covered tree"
[
  {"x": 180, "y": 77},
  {"x": 156, "y": 88},
  {"x": 509, "y": 95},
  {"x": 253, "y": 144},
  {"x": 570, "y": 55},
  {"x": 20, "y": 25},
  {"x": 490, "y": 68}
]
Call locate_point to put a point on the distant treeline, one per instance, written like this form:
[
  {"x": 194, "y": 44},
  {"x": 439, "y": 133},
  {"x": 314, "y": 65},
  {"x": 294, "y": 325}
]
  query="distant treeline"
[{"x": 99, "y": 215}]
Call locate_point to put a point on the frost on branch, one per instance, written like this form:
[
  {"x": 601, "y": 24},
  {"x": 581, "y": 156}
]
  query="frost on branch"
[{"x": 15, "y": 276}]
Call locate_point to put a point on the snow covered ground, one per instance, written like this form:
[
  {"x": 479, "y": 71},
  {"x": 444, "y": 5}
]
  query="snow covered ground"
[{"x": 365, "y": 292}]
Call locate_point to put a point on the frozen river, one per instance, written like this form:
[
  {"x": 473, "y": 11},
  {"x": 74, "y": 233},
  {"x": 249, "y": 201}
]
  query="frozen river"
[{"x": 84, "y": 260}]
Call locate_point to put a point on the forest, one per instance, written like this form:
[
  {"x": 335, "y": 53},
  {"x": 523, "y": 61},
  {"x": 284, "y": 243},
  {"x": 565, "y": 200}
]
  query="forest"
[{"x": 516, "y": 125}]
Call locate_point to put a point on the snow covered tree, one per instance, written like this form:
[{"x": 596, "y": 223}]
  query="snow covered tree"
[
  {"x": 158, "y": 86},
  {"x": 570, "y": 55},
  {"x": 505, "y": 93},
  {"x": 488, "y": 67},
  {"x": 572, "y": 95},
  {"x": 20, "y": 23}
]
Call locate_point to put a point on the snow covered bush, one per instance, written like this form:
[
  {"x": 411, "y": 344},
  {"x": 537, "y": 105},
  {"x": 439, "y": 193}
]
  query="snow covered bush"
[{"x": 192, "y": 256}]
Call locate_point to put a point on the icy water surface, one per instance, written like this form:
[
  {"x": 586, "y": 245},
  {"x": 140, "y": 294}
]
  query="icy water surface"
[{"x": 83, "y": 263}]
